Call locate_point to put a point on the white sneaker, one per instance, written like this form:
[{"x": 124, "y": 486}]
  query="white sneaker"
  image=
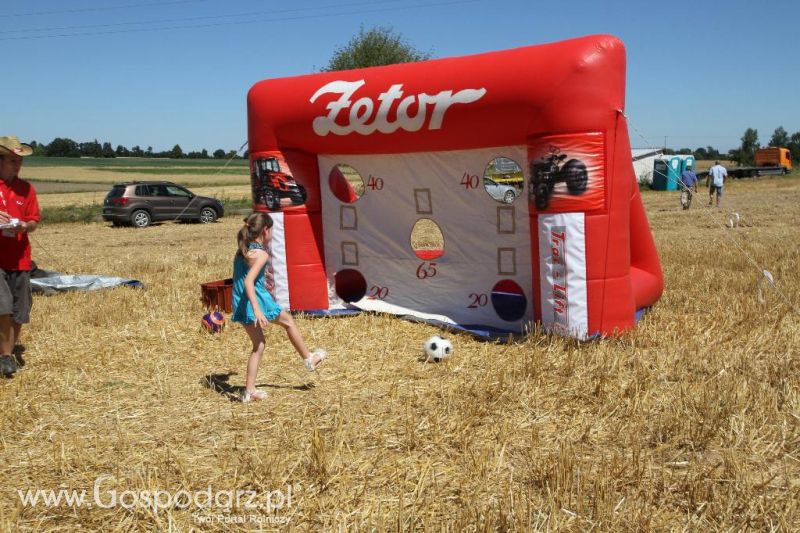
[
  {"x": 319, "y": 355},
  {"x": 257, "y": 395}
]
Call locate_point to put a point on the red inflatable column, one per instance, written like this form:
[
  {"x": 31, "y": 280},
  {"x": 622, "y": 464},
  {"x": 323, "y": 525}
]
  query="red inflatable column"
[{"x": 302, "y": 226}]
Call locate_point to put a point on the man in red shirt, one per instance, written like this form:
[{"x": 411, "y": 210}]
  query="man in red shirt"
[{"x": 19, "y": 215}]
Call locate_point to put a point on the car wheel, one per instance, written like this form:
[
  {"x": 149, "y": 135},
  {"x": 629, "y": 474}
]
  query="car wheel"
[
  {"x": 271, "y": 200},
  {"x": 303, "y": 193},
  {"x": 542, "y": 196},
  {"x": 140, "y": 218},
  {"x": 208, "y": 215},
  {"x": 509, "y": 197}
]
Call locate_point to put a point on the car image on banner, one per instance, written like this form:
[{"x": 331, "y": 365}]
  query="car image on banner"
[{"x": 500, "y": 191}]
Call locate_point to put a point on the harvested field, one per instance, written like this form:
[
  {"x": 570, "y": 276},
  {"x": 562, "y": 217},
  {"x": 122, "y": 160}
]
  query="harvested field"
[
  {"x": 91, "y": 175},
  {"x": 65, "y": 187},
  {"x": 689, "y": 422},
  {"x": 99, "y": 174},
  {"x": 61, "y": 199},
  {"x": 705, "y": 164},
  {"x": 83, "y": 182}
]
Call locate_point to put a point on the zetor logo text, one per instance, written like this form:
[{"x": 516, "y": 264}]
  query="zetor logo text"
[{"x": 364, "y": 119}]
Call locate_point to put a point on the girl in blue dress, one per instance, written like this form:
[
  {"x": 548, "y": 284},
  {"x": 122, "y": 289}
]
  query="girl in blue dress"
[{"x": 254, "y": 307}]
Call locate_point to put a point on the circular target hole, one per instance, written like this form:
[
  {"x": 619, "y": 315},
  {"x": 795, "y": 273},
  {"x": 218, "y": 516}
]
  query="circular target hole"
[
  {"x": 503, "y": 180},
  {"x": 427, "y": 239},
  {"x": 508, "y": 300},
  {"x": 350, "y": 285},
  {"x": 346, "y": 183}
]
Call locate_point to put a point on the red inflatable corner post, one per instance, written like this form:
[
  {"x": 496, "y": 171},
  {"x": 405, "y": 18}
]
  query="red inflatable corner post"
[{"x": 518, "y": 161}]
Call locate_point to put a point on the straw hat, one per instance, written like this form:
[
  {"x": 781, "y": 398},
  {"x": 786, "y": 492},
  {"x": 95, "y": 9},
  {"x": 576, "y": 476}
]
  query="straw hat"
[{"x": 12, "y": 145}]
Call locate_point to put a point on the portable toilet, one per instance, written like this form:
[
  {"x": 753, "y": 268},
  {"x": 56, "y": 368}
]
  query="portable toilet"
[
  {"x": 687, "y": 163},
  {"x": 666, "y": 172}
]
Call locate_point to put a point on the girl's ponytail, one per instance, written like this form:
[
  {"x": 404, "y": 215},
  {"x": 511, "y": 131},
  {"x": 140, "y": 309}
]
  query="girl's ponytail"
[{"x": 254, "y": 225}]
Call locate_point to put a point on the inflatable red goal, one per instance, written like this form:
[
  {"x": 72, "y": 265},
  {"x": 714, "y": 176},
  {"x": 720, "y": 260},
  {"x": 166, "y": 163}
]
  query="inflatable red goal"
[{"x": 487, "y": 192}]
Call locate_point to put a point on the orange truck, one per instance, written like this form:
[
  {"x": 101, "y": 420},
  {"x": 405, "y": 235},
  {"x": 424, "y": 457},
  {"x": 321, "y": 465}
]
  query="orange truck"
[
  {"x": 774, "y": 157},
  {"x": 769, "y": 161}
]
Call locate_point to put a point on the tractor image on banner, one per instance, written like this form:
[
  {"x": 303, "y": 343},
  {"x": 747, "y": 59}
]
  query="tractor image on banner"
[{"x": 526, "y": 179}]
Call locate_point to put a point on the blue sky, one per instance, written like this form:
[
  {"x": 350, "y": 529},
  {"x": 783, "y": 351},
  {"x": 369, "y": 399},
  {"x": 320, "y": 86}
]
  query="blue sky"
[{"x": 141, "y": 72}]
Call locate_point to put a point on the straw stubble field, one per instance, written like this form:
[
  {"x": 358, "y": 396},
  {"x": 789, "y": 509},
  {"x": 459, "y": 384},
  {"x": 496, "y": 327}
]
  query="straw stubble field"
[{"x": 692, "y": 421}]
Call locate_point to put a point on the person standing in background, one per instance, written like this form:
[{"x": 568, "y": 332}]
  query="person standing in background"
[{"x": 715, "y": 181}]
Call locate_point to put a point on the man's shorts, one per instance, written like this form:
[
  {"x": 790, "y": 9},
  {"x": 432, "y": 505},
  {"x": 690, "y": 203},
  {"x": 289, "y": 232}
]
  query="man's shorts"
[
  {"x": 686, "y": 198},
  {"x": 713, "y": 188},
  {"x": 15, "y": 295}
]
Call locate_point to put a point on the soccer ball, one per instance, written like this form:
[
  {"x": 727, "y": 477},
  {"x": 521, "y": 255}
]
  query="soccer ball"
[
  {"x": 438, "y": 348},
  {"x": 213, "y": 322}
]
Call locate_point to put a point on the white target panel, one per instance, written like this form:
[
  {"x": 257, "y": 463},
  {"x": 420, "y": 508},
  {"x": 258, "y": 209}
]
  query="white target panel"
[{"x": 483, "y": 275}]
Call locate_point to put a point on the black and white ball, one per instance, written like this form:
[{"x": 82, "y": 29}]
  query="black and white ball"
[{"x": 438, "y": 348}]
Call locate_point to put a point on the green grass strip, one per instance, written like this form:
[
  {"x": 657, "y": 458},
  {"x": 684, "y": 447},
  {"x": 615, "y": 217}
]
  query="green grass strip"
[{"x": 94, "y": 212}]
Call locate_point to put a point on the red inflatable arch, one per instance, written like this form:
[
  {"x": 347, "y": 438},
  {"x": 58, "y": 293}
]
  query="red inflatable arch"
[{"x": 520, "y": 157}]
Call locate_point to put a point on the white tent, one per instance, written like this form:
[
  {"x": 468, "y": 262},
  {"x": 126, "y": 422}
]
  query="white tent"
[{"x": 643, "y": 161}]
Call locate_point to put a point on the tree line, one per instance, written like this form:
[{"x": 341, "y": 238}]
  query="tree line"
[
  {"x": 65, "y": 147},
  {"x": 746, "y": 153}
]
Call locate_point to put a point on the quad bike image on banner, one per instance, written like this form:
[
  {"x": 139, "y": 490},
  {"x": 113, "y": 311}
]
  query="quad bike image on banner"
[
  {"x": 567, "y": 173},
  {"x": 549, "y": 170},
  {"x": 273, "y": 188}
]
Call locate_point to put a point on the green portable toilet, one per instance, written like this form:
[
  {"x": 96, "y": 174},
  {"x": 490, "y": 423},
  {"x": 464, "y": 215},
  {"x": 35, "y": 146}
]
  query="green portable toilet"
[{"x": 666, "y": 172}]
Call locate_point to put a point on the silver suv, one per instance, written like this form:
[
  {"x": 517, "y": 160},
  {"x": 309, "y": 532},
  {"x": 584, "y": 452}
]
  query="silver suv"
[{"x": 139, "y": 203}]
